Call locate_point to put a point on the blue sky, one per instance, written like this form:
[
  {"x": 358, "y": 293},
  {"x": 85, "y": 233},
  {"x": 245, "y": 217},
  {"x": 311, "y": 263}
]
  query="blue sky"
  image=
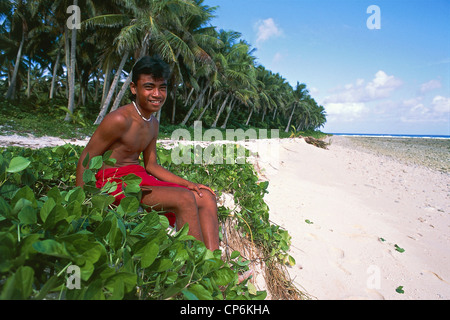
[{"x": 392, "y": 80}]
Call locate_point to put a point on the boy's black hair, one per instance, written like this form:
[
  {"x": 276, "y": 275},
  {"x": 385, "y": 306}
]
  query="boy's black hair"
[{"x": 154, "y": 66}]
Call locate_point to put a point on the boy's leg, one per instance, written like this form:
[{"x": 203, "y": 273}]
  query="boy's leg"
[
  {"x": 207, "y": 212},
  {"x": 180, "y": 201}
]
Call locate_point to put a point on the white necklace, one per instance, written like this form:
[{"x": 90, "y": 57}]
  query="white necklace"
[{"x": 145, "y": 119}]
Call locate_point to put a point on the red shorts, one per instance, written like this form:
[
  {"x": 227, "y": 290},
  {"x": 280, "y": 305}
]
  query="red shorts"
[{"x": 114, "y": 175}]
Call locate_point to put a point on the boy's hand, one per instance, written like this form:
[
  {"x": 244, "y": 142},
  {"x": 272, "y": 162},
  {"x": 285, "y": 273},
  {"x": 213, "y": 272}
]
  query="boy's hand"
[{"x": 197, "y": 188}]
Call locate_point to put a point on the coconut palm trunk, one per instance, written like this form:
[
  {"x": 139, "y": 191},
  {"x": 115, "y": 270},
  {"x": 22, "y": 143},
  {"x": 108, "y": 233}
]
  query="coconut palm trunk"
[
  {"x": 112, "y": 89},
  {"x": 186, "y": 118},
  {"x": 290, "y": 118},
  {"x": 220, "y": 111},
  {"x": 73, "y": 50},
  {"x": 12, "y": 85}
]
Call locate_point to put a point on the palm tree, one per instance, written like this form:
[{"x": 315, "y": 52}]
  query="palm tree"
[
  {"x": 299, "y": 94},
  {"x": 153, "y": 26},
  {"x": 16, "y": 15},
  {"x": 235, "y": 66}
]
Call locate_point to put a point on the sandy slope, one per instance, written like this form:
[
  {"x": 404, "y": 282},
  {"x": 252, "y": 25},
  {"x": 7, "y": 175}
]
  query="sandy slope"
[{"x": 360, "y": 206}]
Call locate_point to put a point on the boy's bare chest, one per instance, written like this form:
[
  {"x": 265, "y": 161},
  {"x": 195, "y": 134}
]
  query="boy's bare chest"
[{"x": 137, "y": 138}]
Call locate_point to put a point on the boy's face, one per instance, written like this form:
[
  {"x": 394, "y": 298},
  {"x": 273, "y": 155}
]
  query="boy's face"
[{"x": 150, "y": 93}]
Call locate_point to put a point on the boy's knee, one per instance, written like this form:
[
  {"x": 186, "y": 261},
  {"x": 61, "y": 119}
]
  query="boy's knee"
[
  {"x": 208, "y": 198},
  {"x": 186, "y": 198}
]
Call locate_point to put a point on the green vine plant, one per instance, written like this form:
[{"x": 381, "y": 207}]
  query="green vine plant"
[{"x": 49, "y": 227}]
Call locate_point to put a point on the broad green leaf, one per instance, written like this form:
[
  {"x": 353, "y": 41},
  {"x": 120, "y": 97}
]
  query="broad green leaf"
[
  {"x": 176, "y": 288},
  {"x": 223, "y": 276},
  {"x": 125, "y": 278},
  {"x": 161, "y": 265},
  {"x": 251, "y": 288},
  {"x": 19, "y": 285},
  {"x": 27, "y": 215},
  {"x": 52, "y": 248},
  {"x": 103, "y": 229},
  {"x": 76, "y": 194},
  {"x": 88, "y": 176},
  {"x": 86, "y": 160},
  {"x": 152, "y": 219},
  {"x": 149, "y": 254},
  {"x": 96, "y": 163},
  {"x": 55, "y": 194},
  {"x": 18, "y": 164},
  {"x": 24, "y": 193},
  {"x": 128, "y": 205},
  {"x": 47, "y": 208},
  {"x": 102, "y": 201},
  {"x": 57, "y": 214},
  {"x": 235, "y": 254},
  {"x": 132, "y": 179},
  {"x": 198, "y": 291},
  {"x": 5, "y": 208},
  {"x": 132, "y": 189},
  {"x": 74, "y": 210}
]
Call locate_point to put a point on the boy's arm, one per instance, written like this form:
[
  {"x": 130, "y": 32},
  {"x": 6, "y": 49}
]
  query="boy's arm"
[
  {"x": 153, "y": 168},
  {"x": 110, "y": 130}
]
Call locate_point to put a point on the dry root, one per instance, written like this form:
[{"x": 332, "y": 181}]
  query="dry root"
[
  {"x": 268, "y": 274},
  {"x": 316, "y": 142}
]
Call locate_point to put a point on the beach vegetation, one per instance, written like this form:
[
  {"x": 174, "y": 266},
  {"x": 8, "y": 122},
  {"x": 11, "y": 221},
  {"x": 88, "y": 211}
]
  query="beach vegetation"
[{"x": 49, "y": 227}]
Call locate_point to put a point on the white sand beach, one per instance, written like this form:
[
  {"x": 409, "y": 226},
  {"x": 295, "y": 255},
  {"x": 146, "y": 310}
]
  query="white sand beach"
[
  {"x": 360, "y": 207},
  {"x": 350, "y": 213}
]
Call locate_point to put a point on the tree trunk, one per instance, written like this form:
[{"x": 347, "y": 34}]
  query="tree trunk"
[
  {"x": 249, "y": 116},
  {"x": 55, "y": 69},
  {"x": 200, "y": 97},
  {"x": 174, "y": 104},
  {"x": 12, "y": 85},
  {"x": 204, "y": 110},
  {"x": 264, "y": 113},
  {"x": 112, "y": 89},
  {"x": 106, "y": 81},
  {"x": 220, "y": 111},
  {"x": 73, "y": 50},
  {"x": 290, "y": 118},
  {"x": 67, "y": 58},
  {"x": 233, "y": 102},
  {"x": 29, "y": 78},
  {"x": 122, "y": 92}
]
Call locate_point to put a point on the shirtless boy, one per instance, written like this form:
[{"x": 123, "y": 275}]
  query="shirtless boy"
[{"x": 131, "y": 130}]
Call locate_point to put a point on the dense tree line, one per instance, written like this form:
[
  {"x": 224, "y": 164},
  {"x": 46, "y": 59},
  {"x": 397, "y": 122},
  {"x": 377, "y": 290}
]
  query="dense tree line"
[{"x": 215, "y": 77}]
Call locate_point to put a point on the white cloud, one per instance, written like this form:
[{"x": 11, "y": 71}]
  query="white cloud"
[
  {"x": 430, "y": 85},
  {"x": 346, "y": 111},
  {"x": 350, "y": 103},
  {"x": 267, "y": 29},
  {"x": 441, "y": 104},
  {"x": 415, "y": 110},
  {"x": 381, "y": 86}
]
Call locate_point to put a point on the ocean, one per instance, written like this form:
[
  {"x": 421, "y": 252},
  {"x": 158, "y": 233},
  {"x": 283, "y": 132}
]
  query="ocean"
[{"x": 384, "y": 135}]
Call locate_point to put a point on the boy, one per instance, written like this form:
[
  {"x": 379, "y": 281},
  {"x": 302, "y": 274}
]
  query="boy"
[{"x": 131, "y": 130}]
